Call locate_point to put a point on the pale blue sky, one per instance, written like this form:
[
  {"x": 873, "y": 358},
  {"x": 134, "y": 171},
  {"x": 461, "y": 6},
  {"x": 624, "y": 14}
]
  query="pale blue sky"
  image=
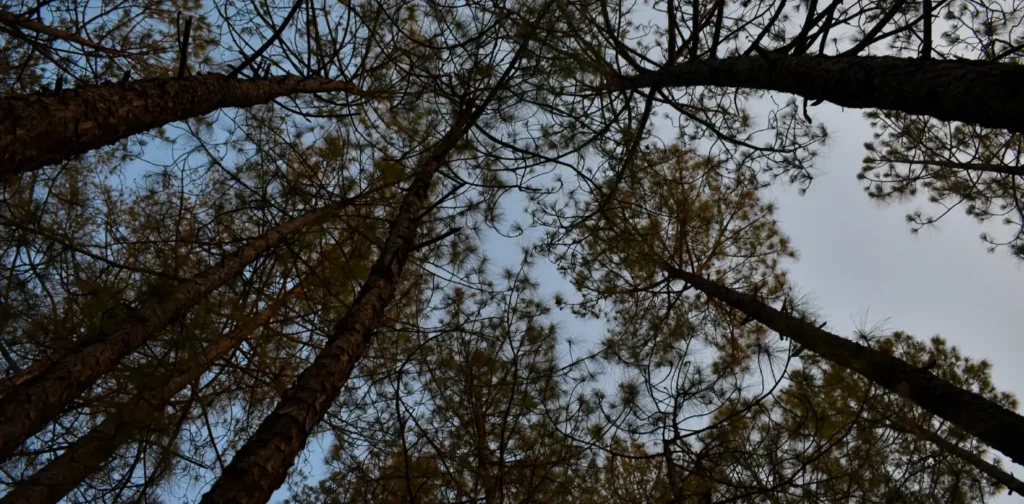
[
  {"x": 860, "y": 262},
  {"x": 857, "y": 261}
]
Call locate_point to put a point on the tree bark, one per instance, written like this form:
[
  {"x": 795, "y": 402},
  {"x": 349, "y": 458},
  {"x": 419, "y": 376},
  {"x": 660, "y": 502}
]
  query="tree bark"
[
  {"x": 47, "y": 128},
  {"x": 480, "y": 442},
  {"x": 993, "y": 424},
  {"x": 261, "y": 465},
  {"x": 88, "y": 454},
  {"x": 29, "y": 406},
  {"x": 31, "y": 371},
  {"x": 975, "y": 92}
]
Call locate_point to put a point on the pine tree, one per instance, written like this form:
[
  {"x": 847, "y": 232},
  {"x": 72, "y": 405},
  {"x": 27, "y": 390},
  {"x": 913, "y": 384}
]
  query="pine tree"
[
  {"x": 88, "y": 454},
  {"x": 39, "y": 129},
  {"x": 994, "y": 425},
  {"x": 829, "y": 435},
  {"x": 31, "y": 404},
  {"x": 260, "y": 466},
  {"x": 708, "y": 61},
  {"x": 964, "y": 91},
  {"x": 636, "y": 258},
  {"x": 476, "y": 408},
  {"x": 382, "y": 328}
]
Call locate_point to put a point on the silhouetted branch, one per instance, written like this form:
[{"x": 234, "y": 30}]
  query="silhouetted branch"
[{"x": 270, "y": 41}]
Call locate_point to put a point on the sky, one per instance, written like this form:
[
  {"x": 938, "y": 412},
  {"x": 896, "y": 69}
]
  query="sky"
[
  {"x": 857, "y": 258},
  {"x": 858, "y": 261},
  {"x": 860, "y": 265}
]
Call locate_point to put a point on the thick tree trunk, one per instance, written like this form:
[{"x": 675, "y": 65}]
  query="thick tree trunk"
[
  {"x": 30, "y": 372},
  {"x": 46, "y": 128},
  {"x": 262, "y": 464},
  {"x": 993, "y": 424},
  {"x": 89, "y": 453},
  {"x": 975, "y": 92},
  {"x": 29, "y": 406}
]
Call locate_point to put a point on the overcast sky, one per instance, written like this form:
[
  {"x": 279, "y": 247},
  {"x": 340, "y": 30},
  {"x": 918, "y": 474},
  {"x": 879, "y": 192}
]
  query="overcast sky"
[
  {"x": 857, "y": 259},
  {"x": 858, "y": 262},
  {"x": 861, "y": 266}
]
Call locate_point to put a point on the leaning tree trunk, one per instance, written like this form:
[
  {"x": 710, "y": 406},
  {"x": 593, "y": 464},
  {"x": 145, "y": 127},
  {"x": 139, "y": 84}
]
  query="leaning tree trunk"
[
  {"x": 46, "y": 128},
  {"x": 993, "y": 424},
  {"x": 28, "y": 373},
  {"x": 991, "y": 470},
  {"x": 261, "y": 465},
  {"x": 29, "y": 406},
  {"x": 976, "y": 92},
  {"x": 88, "y": 454},
  {"x": 481, "y": 449}
]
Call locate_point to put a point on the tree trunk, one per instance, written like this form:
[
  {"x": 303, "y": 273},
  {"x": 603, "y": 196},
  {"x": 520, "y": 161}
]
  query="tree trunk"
[
  {"x": 993, "y": 424},
  {"x": 47, "y": 128},
  {"x": 29, "y": 406},
  {"x": 480, "y": 441},
  {"x": 993, "y": 471},
  {"x": 975, "y": 92},
  {"x": 261, "y": 465},
  {"x": 88, "y": 454},
  {"x": 32, "y": 371}
]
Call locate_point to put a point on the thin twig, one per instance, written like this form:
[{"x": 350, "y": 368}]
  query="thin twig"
[
  {"x": 16, "y": 21},
  {"x": 435, "y": 239},
  {"x": 266, "y": 45}
]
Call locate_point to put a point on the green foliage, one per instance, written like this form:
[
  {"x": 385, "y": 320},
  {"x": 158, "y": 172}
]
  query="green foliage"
[
  {"x": 475, "y": 388},
  {"x": 956, "y": 165}
]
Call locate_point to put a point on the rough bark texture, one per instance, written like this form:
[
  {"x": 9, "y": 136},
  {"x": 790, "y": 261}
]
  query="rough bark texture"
[
  {"x": 90, "y": 453},
  {"x": 28, "y": 407},
  {"x": 30, "y": 372},
  {"x": 993, "y": 424},
  {"x": 975, "y": 92},
  {"x": 262, "y": 464},
  {"x": 46, "y": 128}
]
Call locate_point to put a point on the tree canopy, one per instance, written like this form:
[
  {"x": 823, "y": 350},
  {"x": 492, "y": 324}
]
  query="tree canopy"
[{"x": 259, "y": 249}]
